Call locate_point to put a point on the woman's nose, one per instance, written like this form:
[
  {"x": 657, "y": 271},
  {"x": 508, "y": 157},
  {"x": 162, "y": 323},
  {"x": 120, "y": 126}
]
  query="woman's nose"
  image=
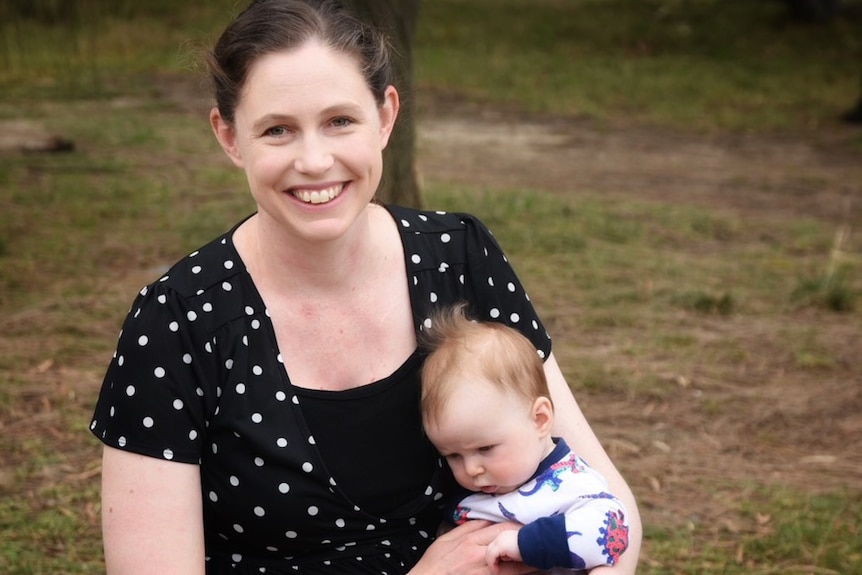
[{"x": 313, "y": 156}]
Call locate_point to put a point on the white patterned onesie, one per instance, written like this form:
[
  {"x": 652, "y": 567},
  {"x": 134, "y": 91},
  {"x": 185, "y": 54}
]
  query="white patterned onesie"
[{"x": 569, "y": 519}]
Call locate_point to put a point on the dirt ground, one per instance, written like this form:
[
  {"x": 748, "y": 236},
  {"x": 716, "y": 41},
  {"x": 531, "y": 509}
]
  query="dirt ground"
[
  {"x": 686, "y": 465},
  {"x": 795, "y": 428}
]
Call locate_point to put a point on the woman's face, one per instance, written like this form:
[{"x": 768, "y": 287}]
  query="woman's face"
[{"x": 310, "y": 136}]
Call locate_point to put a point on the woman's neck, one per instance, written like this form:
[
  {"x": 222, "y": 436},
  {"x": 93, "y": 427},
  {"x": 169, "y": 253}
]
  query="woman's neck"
[{"x": 285, "y": 262}]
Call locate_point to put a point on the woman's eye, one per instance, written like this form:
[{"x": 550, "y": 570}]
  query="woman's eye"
[
  {"x": 451, "y": 456},
  {"x": 486, "y": 448},
  {"x": 276, "y": 132},
  {"x": 342, "y": 122}
]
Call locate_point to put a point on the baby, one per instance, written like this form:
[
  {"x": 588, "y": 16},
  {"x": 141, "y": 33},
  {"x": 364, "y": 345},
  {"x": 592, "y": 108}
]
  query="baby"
[{"x": 487, "y": 409}]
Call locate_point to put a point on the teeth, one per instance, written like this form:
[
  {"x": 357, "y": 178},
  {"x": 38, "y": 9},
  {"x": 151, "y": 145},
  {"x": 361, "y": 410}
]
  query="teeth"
[{"x": 318, "y": 196}]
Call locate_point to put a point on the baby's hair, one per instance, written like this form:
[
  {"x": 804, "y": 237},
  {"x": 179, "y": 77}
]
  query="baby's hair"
[{"x": 458, "y": 346}]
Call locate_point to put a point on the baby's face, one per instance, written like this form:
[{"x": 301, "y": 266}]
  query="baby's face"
[{"x": 492, "y": 441}]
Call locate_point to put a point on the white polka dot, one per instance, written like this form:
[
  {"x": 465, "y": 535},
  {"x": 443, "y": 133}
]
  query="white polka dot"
[
  {"x": 174, "y": 326},
  {"x": 238, "y": 528},
  {"x": 245, "y": 340},
  {"x": 259, "y": 511},
  {"x": 228, "y": 265},
  {"x": 491, "y": 282},
  {"x": 148, "y": 422},
  {"x": 511, "y": 287},
  {"x": 443, "y": 267},
  {"x": 121, "y": 360},
  {"x": 249, "y": 310},
  {"x": 256, "y": 417},
  {"x": 370, "y": 527},
  {"x": 143, "y": 340},
  {"x": 234, "y": 480},
  {"x": 162, "y": 299},
  {"x": 255, "y": 324},
  {"x": 280, "y": 396},
  {"x": 228, "y": 364},
  {"x": 307, "y": 467},
  {"x": 257, "y": 370},
  {"x": 214, "y": 447},
  {"x": 194, "y": 253},
  {"x": 187, "y": 358},
  {"x": 281, "y": 442},
  {"x": 515, "y": 318},
  {"x": 192, "y": 316},
  {"x": 213, "y": 496},
  {"x": 193, "y": 434},
  {"x": 290, "y": 534},
  {"x": 258, "y": 461},
  {"x": 445, "y": 238},
  {"x": 313, "y": 510},
  {"x": 433, "y": 297},
  {"x": 461, "y": 279},
  {"x": 226, "y": 286},
  {"x": 178, "y": 404},
  {"x": 240, "y": 388},
  {"x": 130, "y": 390},
  {"x": 311, "y": 440},
  {"x": 168, "y": 454},
  {"x": 208, "y": 307},
  {"x": 196, "y": 269},
  {"x": 427, "y": 323},
  {"x": 159, "y": 372},
  {"x": 208, "y": 347},
  {"x": 283, "y": 487},
  {"x": 121, "y": 441},
  {"x": 339, "y": 523},
  {"x": 415, "y": 258},
  {"x": 295, "y": 400},
  {"x": 199, "y": 392}
]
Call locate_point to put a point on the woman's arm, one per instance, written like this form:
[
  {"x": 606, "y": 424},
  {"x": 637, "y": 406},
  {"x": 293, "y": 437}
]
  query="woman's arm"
[
  {"x": 152, "y": 519},
  {"x": 570, "y": 423}
]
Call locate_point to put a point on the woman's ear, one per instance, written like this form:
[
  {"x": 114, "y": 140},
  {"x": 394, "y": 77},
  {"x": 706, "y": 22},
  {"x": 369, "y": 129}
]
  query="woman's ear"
[
  {"x": 388, "y": 114},
  {"x": 543, "y": 415},
  {"x": 226, "y": 136}
]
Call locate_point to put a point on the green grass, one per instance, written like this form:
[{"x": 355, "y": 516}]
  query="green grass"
[{"x": 780, "y": 532}]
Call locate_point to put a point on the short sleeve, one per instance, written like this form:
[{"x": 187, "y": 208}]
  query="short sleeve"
[
  {"x": 497, "y": 293},
  {"x": 152, "y": 399}
]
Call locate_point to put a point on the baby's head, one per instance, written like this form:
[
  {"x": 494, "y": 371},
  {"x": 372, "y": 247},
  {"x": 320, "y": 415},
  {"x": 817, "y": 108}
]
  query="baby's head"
[{"x": 485, "y": 401}]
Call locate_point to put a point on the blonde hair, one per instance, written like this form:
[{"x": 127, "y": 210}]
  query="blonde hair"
[{"x": 457, "y": 345}]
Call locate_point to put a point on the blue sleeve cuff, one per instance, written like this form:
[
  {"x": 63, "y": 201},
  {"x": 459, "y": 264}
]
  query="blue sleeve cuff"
[{"x": 543, "y": 543}]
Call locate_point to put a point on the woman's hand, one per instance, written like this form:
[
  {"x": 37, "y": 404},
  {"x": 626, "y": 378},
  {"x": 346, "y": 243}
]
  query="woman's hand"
[{"x": 463, "y": 551}]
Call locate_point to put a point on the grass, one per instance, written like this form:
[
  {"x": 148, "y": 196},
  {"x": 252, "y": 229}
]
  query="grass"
[{"x": 657, "y": 299}]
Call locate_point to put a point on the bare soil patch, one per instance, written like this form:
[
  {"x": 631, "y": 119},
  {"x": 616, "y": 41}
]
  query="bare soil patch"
[{"x": 764, "y": 425}]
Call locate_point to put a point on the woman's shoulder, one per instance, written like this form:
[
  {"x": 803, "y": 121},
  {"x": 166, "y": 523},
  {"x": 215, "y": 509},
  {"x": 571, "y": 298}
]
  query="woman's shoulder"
[
  {"x": 430, "y": 221},
  {"x": 214, "y": 264}
]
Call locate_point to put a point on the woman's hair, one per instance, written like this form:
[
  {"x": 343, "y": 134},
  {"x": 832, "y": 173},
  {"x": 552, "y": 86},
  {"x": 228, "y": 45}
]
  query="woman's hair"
[
  {"x": 268, "y": 26},
  {"x": 460, "y": 347}
]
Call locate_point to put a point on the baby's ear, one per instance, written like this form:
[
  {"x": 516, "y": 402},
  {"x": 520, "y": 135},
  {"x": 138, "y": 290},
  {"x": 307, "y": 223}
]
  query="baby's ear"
[{"x": 543, "y": 415}]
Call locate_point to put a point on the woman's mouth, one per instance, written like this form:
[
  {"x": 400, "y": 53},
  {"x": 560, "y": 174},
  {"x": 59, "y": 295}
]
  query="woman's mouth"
[{"x": 318, "y": 196}]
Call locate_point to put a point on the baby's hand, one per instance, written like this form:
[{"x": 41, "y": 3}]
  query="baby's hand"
[{"x": 503, "y": 548}]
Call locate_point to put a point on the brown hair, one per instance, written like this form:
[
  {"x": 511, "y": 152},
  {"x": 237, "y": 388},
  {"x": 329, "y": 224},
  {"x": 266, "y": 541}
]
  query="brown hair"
[
  {"x": 268, "y": 26},
  {"x": 457, "y": 345}
]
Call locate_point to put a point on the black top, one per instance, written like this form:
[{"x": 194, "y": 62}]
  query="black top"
[{"x": 296, "y": 480}]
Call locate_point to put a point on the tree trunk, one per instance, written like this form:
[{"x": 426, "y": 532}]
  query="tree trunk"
[{"x": 397, "y": 19}]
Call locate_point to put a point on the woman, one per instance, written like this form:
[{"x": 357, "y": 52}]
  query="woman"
[{"x": 261, "y": 412}]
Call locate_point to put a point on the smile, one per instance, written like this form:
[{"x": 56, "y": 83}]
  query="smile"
[{"x": 318, "y": 196}]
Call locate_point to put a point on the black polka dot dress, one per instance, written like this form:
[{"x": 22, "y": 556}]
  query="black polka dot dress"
[{"x": 296, "y": 480}]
